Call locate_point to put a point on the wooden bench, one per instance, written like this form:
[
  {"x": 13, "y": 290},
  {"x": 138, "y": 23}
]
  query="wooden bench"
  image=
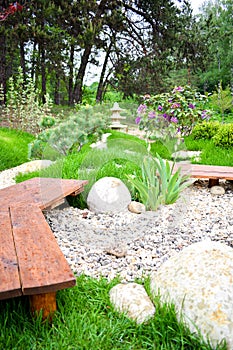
[
  {"x": 213, "y": 173},
  {"x": 31, "y": 262}
]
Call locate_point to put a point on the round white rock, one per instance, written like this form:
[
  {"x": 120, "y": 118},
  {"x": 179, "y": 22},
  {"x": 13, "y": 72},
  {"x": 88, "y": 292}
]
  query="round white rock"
[{"x": 108, "y": 194}]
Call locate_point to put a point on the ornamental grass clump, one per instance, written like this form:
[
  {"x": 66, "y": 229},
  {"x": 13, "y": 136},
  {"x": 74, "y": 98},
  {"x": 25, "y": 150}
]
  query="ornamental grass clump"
[
  {"x": 158, "y": 184},
  {"x": 169, "y": 114}
]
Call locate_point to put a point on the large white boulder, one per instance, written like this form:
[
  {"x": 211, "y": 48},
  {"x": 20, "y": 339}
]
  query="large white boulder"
[
  {"x": 199, "y": 281},
  {"x": 108, "y": 194}
]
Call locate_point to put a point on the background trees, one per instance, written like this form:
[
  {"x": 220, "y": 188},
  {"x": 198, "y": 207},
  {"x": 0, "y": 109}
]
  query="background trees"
[
  {"x": 216, "y": 20},
  {"x": 138, "y": 46}
]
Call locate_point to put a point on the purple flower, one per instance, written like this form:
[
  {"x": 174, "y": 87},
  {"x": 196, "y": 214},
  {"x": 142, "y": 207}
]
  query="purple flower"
[
  {"x": 170, "y": 100},
  {"x": 160, "y": 108},
  {"x": 205, "y": 115},
  {"x": 174, "y": 120},
  {"x": 165, "y": 115},
  {"x": 151, "y": 115},
  {"x": 178, "y": 88},
  {"x": 191, "y": 106},
  {"x": 142, "y": 109},
  {"x": 175, "y": 105},
  {"x": 137, "y": 120}
]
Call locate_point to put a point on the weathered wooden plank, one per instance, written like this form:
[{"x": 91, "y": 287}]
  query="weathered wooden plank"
[
  {"x": 9, "y": 275},
  {"x": 41, "y": 191},
  {"x": 42, "y": 266},
  {"x": 206, "y": 171}
]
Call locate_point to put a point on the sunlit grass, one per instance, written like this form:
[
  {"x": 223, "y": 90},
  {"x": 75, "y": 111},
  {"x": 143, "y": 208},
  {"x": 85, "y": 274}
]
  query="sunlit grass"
[
  {"x": 86, "y": 320},
  {"x": 13, "y": 147}
]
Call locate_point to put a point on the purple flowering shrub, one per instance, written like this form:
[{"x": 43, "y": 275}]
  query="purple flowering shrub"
[{"x": 171, "y": 113}]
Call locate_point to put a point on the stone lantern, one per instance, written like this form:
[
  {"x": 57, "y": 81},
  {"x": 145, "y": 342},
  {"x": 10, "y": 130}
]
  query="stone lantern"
[{"x": 116, "y": 118}]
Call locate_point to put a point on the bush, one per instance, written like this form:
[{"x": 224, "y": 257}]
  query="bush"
[
  {"x": 23, "y": 108},
  {"x": 205, "y": 130},
  {"x": 168, "y": 113},
  {"x": 221, "y": 101},
  {"x": 224, "y": 137},
  {"x": 70, "y": 134}
]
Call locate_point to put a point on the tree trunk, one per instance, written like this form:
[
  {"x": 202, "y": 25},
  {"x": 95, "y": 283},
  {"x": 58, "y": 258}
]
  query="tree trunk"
[
  {"x": 3, "y": 73},
  {"x": 57, "y": 90},
  {"x": 71, "y": 76},
  {"x": 80, "y": 76},
  {"x": 22, "y": 59},
  {"x": 33, "y": 60},
  {"x": 100, "y": 89},
  {"x": 43, "y": 73}
]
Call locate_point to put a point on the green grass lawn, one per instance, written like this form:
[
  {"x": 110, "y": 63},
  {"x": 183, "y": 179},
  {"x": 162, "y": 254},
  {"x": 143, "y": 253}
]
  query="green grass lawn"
[
  {"x": 13, "y": 147},
  {"x": 86, "y": 320},
  {"x": 122, "y": 157}
]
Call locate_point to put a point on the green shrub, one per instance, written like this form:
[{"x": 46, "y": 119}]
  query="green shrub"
[
  {"x": 47, "y": 122},
  {"x": 224, "y": 137},
  {"x": 23, "y": 109},
  {"x": 205, "y": 130},
  {"x": 166, "y": 114},
  {"x": 221, "y": 101},
  {"x": 70, "y": 134}
]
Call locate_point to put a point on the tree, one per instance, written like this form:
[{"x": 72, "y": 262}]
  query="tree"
[
  {"x": 157, "y": 41},
  {"x": 142, "y": 41},
  {"x": 218, "y": 21}
]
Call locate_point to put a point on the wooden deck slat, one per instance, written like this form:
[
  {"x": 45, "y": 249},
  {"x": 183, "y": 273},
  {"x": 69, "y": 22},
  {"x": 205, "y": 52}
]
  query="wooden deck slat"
[
  {"x": 206, "y": 171},
  {"x": 9, "y": 276},
  {"x": 43, "y": 267},
  {"x": 43, "y": 192}
]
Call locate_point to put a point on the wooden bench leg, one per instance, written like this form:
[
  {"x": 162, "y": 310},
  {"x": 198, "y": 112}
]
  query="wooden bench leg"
[
  {"x": 213, "y": 182},
  {"x": 45, "y": 302}
]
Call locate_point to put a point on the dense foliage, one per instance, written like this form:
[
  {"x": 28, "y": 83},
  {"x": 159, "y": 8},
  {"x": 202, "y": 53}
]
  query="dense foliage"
[
  {"x": 59, "y": 139},
  {"x": 138, "y": 47},
  {"x": 205, "y": 130},
  {"x": 224, "y": 136},
  {"x": 172, "y": 113}
]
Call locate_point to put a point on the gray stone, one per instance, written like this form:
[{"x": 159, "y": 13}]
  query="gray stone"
[
  {"x": 99, "y": 145},
  {"x": 132, "y": 300},
  {"x": 217, "y": 190},
  {"x": 136, "y": 207},
  {"x": 108, "y": 195},
  {"x": 7, "y": 177},
  {"x": 119, "y": 250},
  {"x": 187, "y": 155},
  {"x": 199, "y": 281}
]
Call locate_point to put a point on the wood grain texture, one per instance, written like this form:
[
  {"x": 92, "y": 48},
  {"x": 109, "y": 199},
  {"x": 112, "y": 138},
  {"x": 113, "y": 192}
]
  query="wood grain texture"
[
  {"x": 42, "y": 266},
  {"x": 9, "y": 277},
  {"x": 206, "y": 171},
  {"x": 44, "y": 192},
  {"x": 45, "y": 303}
]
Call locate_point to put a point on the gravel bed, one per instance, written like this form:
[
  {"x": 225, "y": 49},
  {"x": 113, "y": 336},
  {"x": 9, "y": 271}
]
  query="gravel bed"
[{"x": 132, "y": 245}]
